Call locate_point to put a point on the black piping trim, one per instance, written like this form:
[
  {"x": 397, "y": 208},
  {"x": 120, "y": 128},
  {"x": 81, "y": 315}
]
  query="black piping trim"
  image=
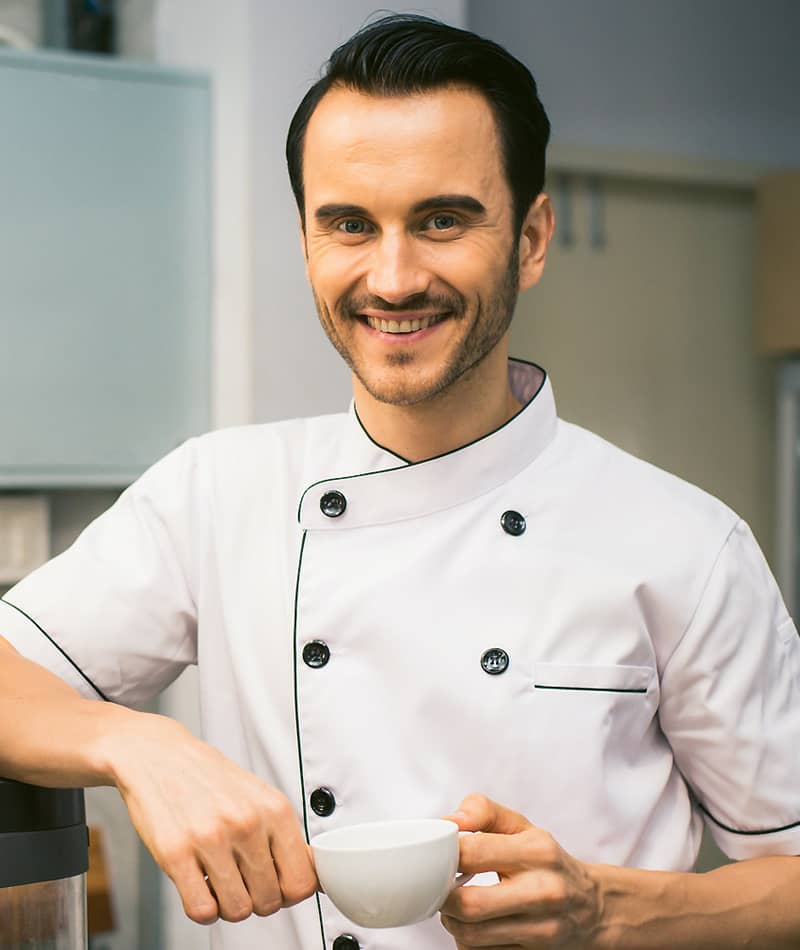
[
  {"x": 590, "y": 689},
  {"x": 297, "y": 722},
  {"x": 66, "y": 656},
  {"x": 737, "y": 831},
  {"x": 382, "y": 471}
]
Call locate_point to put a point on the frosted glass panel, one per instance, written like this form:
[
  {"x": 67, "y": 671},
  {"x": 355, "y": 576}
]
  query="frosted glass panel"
[{"x": 105, "y": 264}]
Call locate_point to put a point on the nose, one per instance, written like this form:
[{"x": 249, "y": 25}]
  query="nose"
[{"x": 395, "y": 270}]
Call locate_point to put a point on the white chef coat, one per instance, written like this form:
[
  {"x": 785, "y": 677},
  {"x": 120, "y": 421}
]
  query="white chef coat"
[{"x": 650, "y": 673}]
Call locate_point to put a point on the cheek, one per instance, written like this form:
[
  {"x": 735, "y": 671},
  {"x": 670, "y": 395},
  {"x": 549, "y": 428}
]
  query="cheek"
[{"x": 333, "y": 270}]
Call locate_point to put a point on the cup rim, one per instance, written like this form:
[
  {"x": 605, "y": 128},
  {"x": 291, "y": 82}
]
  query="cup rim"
[{"x": 326, "y": 840}]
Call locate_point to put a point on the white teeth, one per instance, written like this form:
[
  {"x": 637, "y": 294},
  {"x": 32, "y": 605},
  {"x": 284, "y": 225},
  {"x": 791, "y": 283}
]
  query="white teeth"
[{"x": 404, "y": 326}]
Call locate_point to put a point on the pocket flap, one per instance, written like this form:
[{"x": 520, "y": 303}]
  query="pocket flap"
[{"x": 610, "y": 679}]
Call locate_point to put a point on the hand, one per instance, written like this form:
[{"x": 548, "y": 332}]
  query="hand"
[
  {"x": 231, "y": 844},
  {"x": 545, "y": 897}
]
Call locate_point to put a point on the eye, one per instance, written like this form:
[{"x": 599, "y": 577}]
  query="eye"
[
  {"x": 352, "y": 226},
  {"x": 443, "y": 222}
]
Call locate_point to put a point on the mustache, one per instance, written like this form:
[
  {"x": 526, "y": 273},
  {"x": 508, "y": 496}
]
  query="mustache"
[{"x": 352, "y": 305}]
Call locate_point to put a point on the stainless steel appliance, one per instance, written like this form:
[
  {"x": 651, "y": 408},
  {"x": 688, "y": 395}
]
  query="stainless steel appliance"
[{"x": 44, "y": 856}]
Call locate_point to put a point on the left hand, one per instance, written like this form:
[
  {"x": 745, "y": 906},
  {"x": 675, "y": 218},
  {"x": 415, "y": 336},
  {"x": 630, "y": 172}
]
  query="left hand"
[{"x": 545, "y": 898}]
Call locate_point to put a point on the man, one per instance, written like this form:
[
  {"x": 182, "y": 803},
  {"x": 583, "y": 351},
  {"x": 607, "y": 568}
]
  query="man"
[{"x": 445, "y": 599}]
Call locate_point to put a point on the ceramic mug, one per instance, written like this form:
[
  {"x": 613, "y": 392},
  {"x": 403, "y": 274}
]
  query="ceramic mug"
[{"x": 389, "y": 873}]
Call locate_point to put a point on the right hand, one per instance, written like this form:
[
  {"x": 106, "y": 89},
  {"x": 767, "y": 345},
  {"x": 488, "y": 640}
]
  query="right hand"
[{"x": 230, "y": 842}]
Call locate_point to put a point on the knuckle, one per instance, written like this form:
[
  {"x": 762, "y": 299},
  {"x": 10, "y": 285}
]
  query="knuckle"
[
  {"x": 246, "y": 824},
  {"x": 471, "y": 904},
  {"x": 556, "y": 893},
  {"x": 298, "y": 889},
  {"x": 235, "y": 911},
  {"x": 552, "y": 930},
  {"x": 477, "y": 800},
  {"x": 173, "y": 858},
  {"x": 549, "y": 851},
  {"x": 266, "y": 906},
  {"x": 280, "y": 808},
  {"x": 210, "y": 837}
]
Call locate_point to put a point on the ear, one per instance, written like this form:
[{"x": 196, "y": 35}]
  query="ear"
[{"x": 537, "y": 231}]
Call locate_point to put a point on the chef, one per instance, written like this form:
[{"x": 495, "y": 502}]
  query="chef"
[{"x": 445, "y": 601}]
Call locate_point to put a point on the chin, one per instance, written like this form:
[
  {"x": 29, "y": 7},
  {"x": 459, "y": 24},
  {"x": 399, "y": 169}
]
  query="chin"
[{"x": 397, "y": 389}]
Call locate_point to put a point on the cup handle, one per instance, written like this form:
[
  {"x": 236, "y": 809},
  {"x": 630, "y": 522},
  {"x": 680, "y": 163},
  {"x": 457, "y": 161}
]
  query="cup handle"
[{"x": 462, "y": 879}]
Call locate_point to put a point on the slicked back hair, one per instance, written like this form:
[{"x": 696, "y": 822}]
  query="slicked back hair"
[{"x": 405, "y": 54}]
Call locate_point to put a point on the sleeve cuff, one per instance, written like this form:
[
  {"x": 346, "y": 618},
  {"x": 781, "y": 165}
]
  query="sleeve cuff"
[
  {"x": 741, "y": 845},
  {"x": 26, "y": 636}
]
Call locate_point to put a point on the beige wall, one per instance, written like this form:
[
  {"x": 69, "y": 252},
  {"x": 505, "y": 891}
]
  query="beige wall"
[{"x": 649, "y": 338}]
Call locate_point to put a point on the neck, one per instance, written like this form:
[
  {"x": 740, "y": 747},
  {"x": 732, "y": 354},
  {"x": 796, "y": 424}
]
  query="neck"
[{"x": 478, "y": 402}]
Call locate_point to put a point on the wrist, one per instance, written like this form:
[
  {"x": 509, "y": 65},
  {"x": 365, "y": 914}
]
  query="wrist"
[
  {"x": 635, "y": 906},
  {"x": 116, "y": 739}
]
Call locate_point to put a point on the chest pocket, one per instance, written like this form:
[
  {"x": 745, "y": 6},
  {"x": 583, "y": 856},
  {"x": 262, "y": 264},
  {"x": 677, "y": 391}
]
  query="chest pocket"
[{"x": 593, "y": 679}]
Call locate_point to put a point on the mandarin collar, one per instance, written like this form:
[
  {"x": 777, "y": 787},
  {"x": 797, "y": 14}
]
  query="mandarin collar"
[{"x": 382, "y": 488}]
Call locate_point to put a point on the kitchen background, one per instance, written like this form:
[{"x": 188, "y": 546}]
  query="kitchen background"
[{"x": 658, "y": 316}]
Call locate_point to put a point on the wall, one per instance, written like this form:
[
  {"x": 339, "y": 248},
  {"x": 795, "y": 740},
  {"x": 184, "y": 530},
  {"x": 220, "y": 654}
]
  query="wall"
[
  {"x": 23, "y": 17},
  {"x": 716, "y": 79}
]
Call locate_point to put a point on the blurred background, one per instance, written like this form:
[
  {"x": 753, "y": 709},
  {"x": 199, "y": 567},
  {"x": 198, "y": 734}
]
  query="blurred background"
[{"x": 153, "y": 285}]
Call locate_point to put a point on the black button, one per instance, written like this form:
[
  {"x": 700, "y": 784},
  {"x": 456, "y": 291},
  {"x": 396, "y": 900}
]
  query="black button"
[
  {"x": 323, "y": 802},
  {"x": 316, "y": 654},
  {"x": 333, "y": 504},
  {"x": 494, "y": 661},
  {"x": 512, "y": 522},
  {"x": 346, "y": 942}
]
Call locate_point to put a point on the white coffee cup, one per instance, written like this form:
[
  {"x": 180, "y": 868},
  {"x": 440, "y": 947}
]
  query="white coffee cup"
[{"x": 389, "y": 873}]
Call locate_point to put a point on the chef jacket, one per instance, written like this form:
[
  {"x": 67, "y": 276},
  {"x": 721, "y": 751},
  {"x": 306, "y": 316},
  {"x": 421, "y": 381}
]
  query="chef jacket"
[{"x": 537, "y": 616}]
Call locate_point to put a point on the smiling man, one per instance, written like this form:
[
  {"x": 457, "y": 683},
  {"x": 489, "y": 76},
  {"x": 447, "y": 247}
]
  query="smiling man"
[{"x": 446, "y": 601}]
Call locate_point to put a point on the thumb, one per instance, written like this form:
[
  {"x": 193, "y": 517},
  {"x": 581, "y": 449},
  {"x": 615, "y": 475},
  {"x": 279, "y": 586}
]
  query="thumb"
[{"x": 479, "y": 813}]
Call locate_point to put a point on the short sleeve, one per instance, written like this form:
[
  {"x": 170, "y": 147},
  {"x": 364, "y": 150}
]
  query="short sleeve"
[
  {"x": 115, "y": 615},
  {"x": 730, "y": 706}
]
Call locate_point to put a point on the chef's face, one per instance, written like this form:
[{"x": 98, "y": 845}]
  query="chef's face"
[{"x": 408, "y": 236}]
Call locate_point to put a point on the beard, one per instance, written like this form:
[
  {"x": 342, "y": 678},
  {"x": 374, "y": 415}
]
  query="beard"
[{"x": 487, "y": 325}]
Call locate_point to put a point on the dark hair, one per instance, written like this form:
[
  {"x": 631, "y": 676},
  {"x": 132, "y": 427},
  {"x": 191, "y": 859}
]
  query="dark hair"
[{"x": 404, "y": 54}]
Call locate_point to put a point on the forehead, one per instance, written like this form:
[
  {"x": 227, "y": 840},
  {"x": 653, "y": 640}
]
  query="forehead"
[{"x": 439, "y": 142}]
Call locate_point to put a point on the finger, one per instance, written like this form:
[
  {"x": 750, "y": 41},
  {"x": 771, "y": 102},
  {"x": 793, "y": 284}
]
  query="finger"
[
  {"x": 261, "y": 879},
  {"x": 511, "y": 932},
  {"x": 536, "y": 895},
  {"x": 199, "y": 904},
  {"x": 479, "y": 813},
  {"x": 225, "y": 881},
  {"x": 507, "y": 854},
  {"x": 293, "y": 862}
]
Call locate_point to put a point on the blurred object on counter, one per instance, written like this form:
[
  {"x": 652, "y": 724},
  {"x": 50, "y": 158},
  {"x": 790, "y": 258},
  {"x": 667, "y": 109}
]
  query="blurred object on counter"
[
  {"x": 91, "y": 26},
  {"x": 100, "y": 912},
  {"x": 14, "y": 38},
  {"x": 778, "y": 264}
]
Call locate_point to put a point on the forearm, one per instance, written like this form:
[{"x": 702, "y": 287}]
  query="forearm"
[
  {"x": 49, "y": 734},
  {"x": 751, "y": 904}
]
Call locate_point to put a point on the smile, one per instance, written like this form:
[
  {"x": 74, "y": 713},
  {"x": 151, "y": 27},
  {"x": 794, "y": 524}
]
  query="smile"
[{"x": 404, "y": 326}]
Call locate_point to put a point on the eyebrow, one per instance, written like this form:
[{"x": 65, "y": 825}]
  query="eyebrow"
[{"x": 435, "y": 203}]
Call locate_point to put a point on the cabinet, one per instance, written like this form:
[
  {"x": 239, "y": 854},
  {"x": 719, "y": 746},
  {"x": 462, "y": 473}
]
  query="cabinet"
[
  {"x": 778, "y": 264},
  {"x": 105, "y": 267}
]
